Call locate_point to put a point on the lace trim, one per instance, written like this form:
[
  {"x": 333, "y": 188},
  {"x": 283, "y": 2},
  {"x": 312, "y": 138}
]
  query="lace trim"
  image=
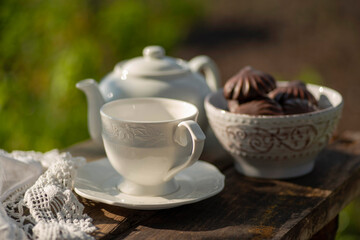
[{"x": 48, "y": 209}]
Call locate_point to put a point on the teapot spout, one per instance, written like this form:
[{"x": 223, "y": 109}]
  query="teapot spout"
[{"x": 94, "y": 100}]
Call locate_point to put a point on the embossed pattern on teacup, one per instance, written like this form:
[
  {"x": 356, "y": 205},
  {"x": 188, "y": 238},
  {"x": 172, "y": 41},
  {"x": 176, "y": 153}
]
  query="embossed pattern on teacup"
[{"x": 136, "y": 134}]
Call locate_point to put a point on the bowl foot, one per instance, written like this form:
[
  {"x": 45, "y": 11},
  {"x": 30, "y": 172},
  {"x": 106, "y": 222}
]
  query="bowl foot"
[{"x": 274, "y": 173}]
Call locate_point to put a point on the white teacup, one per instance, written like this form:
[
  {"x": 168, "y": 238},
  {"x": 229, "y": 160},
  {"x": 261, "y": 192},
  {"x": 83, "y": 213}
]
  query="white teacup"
[{"x": 149, "y": 140}]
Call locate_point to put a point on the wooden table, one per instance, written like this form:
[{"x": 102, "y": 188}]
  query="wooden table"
[{"x": 247, "y": 208}]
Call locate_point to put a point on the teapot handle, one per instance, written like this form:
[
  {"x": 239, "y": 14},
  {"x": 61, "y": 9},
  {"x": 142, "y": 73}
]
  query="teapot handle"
[{"x": 210, "y": 69}]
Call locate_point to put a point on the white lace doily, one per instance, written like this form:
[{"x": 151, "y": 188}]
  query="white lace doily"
[{"x": 35, "y": 206}]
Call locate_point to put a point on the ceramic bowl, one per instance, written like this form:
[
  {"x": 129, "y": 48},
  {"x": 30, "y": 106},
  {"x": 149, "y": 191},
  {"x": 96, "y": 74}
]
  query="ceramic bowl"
[{"x": 275, "y": 146}]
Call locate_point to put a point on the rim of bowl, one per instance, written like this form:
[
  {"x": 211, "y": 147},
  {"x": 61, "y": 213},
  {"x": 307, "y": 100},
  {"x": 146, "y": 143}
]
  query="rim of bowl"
[{"x": 323, "y": 89}]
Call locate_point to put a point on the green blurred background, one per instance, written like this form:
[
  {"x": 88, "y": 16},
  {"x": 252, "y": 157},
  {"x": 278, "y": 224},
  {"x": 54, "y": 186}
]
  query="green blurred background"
[{"x": 48, "y": 46}]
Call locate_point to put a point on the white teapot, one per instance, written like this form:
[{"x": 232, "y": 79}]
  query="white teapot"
[{"x": 152, "y": 75}]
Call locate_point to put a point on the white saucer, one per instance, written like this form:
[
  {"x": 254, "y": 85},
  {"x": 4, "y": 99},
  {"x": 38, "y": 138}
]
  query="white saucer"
[{"x": 98, "y": 180}]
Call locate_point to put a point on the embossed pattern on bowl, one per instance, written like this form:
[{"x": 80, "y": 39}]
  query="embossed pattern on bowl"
[{"x": 275, "y": 146}]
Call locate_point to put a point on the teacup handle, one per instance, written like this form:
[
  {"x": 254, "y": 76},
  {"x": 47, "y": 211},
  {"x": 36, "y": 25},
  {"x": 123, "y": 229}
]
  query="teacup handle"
[{"x": 198, "y": 138}]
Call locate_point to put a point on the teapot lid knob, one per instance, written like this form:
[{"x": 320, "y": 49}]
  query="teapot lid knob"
[
  {"x": 154, "y": 52},
  {"x": 153, "y": 63}
]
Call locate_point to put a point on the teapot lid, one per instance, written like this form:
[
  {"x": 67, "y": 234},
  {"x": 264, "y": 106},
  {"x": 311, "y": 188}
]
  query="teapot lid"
[{"x": 152, "y": 63}]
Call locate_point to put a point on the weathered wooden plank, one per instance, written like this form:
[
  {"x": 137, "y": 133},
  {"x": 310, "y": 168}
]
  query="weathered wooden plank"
[
  {"x": 251, "y": 208},
  {"x": 342, "y": 181},
  {"x": 112, "y": 220},
  {"x": 248, "y": 208},
  {"x": 329, "y": 231}
]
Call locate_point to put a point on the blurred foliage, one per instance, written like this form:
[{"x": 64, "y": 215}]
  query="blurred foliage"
[
  {"x": 310, "y": 75},
  {"x": 349, "y": 223},
  {"x": 306, "y": 74},
  {"x": 47, "y": 46}
]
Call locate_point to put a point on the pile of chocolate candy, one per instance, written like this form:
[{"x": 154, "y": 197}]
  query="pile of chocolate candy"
[{"x": 254, "y": 92}]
